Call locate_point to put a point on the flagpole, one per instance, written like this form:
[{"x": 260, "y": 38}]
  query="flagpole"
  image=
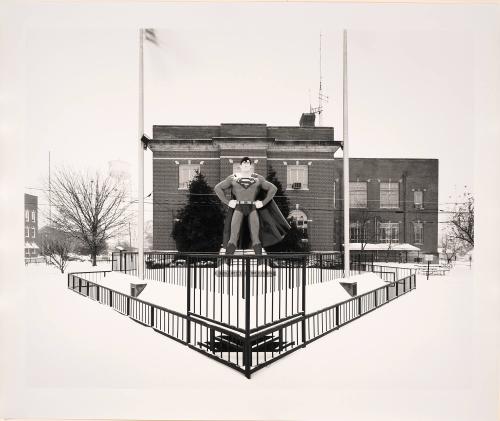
[
  {"x": 346, "y": 165},
  {"x": 140, "y": 161}
]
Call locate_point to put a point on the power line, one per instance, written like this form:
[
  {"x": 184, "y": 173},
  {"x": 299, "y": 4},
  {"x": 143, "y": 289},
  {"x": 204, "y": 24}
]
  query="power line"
[{"x": 338, "y": 199}]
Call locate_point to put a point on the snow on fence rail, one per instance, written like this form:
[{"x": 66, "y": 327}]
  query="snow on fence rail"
[{"x": 251, "y": 334}]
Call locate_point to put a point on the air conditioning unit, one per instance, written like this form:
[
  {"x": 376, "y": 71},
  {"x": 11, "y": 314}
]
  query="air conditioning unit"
[{"x": 296, "y": 186}]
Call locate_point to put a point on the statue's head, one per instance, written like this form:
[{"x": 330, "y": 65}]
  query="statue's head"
[{"x": 245, "y": 162}]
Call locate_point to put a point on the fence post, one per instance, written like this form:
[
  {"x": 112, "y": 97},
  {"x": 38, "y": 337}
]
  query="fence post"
[
  {"x": 387, "y": 293},
  {"x": 188, "y": 301},
  {"x": 110, "y": 298},
  {"x": 68, "y": 280},
  {"x": 321, "y": 268},
  {"x": 164, "y": 268},
  {"x": 337, "y": 316},
  {"x": 97, "y": 293},
  {"x": 375, "y": 298},
  {"x": 79, "y": 285},
  {"x": 152, "y": 318},
  {"x": 247, "y": 347},
  {"x": 304, "y": 274},
  {"x": 359, "y": 306},
  {"x": 128, "y": 306}
]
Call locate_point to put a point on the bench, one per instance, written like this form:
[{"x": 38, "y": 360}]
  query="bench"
[{"x": 433, "y": 270}]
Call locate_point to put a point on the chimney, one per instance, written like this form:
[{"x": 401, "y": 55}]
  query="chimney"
[{"x": 307, "y": 120}]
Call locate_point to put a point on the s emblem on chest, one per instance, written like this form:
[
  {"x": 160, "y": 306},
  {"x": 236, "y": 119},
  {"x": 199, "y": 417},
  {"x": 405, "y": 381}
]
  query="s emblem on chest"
[{"x": 246, "y": 182}]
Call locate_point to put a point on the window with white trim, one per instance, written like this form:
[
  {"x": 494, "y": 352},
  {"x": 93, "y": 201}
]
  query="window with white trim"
[
  {"x": 32, "y": 232},
  {"x": 388, "y": 232},
  {"x": 27, "y": 215},
  {"x": 296, "y": 177},
  {"x": 27, "y": 232},
  {"x": 33, "y": 216},
  {"x": 418, "y": 231},
  {"x": 186, "y": 173},
  {"x": 418, "y": 199},
  {"x": 357, "y": 194},
  {"x": 389, "y": 195},
  {"x": 357, "y": 232},
  {"x": 300, "y": 219}
]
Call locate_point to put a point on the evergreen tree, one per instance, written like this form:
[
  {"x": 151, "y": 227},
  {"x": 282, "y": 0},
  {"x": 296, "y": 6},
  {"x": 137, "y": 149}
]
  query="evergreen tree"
[
  {"x": 293, "y": 240},
  {"x": 280, "y": 197},
  {"x": 200, "y": 223}
]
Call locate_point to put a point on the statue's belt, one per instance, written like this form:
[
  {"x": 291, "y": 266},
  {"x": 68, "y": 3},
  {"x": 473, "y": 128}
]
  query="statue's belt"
[{"x": 245, "y": 202}]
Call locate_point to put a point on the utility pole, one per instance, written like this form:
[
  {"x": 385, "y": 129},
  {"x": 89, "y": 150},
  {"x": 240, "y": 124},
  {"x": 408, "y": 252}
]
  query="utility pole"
[{"x": 140, "y": 161}]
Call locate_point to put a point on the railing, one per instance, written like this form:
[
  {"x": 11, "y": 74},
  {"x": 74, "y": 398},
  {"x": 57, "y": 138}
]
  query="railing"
[
  {"x": 243, "y": 311},
  {"x": 170, "y": 267},
  {"x": 165, "y": 321}
]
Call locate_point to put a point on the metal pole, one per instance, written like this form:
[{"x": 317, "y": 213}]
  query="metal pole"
[
  {"x": 50, "y": 196},
  {"x": 140, "y": 161},
  {"x": 346, "y": 165}
]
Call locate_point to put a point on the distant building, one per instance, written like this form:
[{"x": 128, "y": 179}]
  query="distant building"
[
  {"x": 30, "y": 225},
  {"x": 392, "y": 200}
]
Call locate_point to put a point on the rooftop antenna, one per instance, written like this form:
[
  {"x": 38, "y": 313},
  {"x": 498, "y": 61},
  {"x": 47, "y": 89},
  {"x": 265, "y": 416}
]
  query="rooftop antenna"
[{"x": 321, "y": 97}]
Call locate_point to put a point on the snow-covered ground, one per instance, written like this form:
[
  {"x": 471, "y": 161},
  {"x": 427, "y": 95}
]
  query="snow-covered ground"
[
  {"x": 269, "y": 302},
  {"x": 413, "y": 359}
]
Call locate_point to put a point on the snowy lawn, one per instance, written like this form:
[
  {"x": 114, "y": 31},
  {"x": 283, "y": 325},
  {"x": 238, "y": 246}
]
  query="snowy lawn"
[
  {"x": 269, "y": 301},
  {"x": 410, "y": 359}
]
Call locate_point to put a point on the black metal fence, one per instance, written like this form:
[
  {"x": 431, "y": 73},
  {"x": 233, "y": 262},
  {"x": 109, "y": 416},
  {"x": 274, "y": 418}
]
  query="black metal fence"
[
  {"x": 170, "y": 267},
  {"x": 243, "y": 311}
]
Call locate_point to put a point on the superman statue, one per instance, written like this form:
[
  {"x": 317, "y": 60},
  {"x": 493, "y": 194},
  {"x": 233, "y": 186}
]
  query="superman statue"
[{"x": 252, "y": 197}]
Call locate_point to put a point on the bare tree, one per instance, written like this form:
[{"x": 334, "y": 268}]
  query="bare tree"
[
  {"x": 90, "y": 209},
  {"x": 462, "y": 221},
  {"x": 366, "y": 235},
  {"x": 56, "y": 246},
  {"x": 450, "y": 247}
]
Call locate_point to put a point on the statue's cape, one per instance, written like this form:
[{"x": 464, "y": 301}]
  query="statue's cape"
[{"x": 272, "y": 227}]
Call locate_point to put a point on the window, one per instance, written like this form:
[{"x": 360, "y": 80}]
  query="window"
[
  {"x": 27, "y": 232},
  {"x": 418, "y": 230},
  {"x": 389, "y": 232},
  {"x": 186, "y": 173},
  {"x": 418, "y": 199},
  {"x": 32, "y": 232},
  {"x": 296, "y": 177},
  {"x": 27, "y": 215},
  {"x": 300, "y": 219},
  {"x": 389, "y": 195},
  {"x": 357, "y": 232},
  {"x": 33, "y": 216},
  {"x": 357, "y": 194}
]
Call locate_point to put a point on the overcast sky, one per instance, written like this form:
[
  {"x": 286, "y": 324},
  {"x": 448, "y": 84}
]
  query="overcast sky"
[
  {"x": 412, "y": 78},
  {"x": 411, "y": 86}
]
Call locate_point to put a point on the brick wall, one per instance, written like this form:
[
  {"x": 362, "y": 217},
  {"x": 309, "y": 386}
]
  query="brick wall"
[{"x": 321, "y": 202}]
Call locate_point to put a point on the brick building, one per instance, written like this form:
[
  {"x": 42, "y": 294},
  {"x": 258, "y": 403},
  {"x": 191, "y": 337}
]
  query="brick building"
[
  {"x": 30, "y": 225},
  {"x": 397, "y": 196},
  {"x": 391, "y": 201}
]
